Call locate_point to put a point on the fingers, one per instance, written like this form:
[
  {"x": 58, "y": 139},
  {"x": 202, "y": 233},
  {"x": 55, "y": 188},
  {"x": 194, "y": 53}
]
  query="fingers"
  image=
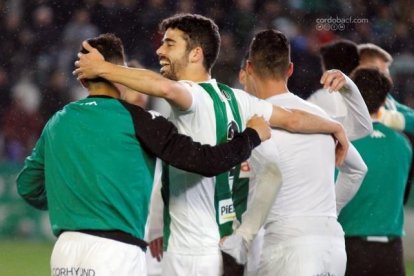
[
  {"x": 156, "y": 248},
  {"x": 87, "y": 46},
  {"x": 222, "y": 240},
  {"x": 340, "y": 154},
  {"x": 333, "y": 80}
]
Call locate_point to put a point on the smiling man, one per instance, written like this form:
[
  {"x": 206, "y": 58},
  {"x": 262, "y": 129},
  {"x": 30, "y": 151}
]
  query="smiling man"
[{"x": 209, "y": 112}]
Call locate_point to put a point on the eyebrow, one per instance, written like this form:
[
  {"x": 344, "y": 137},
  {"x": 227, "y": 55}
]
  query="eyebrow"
[{"x": 168, "y": 40}]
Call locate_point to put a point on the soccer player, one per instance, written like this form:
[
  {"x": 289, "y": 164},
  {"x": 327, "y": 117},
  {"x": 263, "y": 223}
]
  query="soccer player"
[
  {"x": 345, "y": 106},
  {"x": 393, "y": 114},
  {"x": 93, "y": 168},
  {"x": 373, "y": 220},
  {"x": 210, "y": 112},
  {"x": 294, "y": 241}
]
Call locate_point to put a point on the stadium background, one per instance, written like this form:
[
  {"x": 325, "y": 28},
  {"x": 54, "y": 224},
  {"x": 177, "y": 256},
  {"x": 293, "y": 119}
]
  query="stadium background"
[{"x": 38, "y": 45}]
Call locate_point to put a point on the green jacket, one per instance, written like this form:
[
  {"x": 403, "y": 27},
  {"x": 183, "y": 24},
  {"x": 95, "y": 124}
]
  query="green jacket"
[{"x": 93, "y": 165}]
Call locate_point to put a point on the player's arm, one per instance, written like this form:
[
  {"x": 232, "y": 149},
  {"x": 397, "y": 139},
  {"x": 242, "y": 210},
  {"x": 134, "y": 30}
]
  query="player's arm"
[
  {"x": 408, "y": 114},
  {"x": 156, "y": 223},
  {"x": 295, "y": 120},
  {"x": 92, "y": 65},
  {"x": 350, "y": 177},
  {"x": 269, "y": 182},
  {"x": 31, "y": 179},
  {"x": 358, "y": 122},
  {"x": 160, "y": 137}
]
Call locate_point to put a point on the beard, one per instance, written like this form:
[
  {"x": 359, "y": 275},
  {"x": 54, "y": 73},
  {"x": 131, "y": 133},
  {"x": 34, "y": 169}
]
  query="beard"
[{"x": 173, "y": 68}]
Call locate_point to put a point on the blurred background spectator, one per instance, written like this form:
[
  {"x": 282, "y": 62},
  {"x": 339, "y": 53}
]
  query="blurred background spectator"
[{"x": 39, "y": 40}]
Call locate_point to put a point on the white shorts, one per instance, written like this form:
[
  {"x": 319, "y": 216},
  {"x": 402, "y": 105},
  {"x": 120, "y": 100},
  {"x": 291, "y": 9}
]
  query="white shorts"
[
  {"x": 77, "y": 253},
  {"x": 153, "y": 266},
  {"x": 303, "y": 256},
  {"x": 201, "y": 265}
]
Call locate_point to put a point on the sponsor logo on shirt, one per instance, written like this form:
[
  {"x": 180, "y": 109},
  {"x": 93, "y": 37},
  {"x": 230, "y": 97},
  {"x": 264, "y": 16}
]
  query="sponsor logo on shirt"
[
  {"x": 72, "y": 271},
  {"x": 89, "y": 103},
  {"x": 226, "y": 211},
  {"x": 377, "y": 134}
]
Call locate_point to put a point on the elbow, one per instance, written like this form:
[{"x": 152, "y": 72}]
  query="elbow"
[
  {"x": 165, "y": 91},
  {"x": 367, "y": 129},
  {"x": 363, "y": 170},
  {"x": 168, "y": 90}
]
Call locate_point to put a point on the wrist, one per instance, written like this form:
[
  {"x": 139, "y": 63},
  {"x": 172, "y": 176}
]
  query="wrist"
[
  {"x": 254, "y": 136},
  {"x": 104, "y": 69}
]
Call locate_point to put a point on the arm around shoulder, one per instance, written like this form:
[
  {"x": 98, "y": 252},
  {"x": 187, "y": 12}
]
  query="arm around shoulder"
[{"x": 160, "y": 137}]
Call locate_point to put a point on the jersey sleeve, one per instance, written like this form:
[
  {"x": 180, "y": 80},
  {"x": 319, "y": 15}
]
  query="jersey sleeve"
[
  {"x": 160, "y": 137},
  {"x": 351, "y": 174},
  {"x": 250, "y": 105},
  {"x": 358, "y": 122},
  {"x": 31, "y": 179}
]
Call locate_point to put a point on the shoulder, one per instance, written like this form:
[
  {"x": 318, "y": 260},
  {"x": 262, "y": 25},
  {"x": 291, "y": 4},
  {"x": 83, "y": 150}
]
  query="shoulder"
[{"x": 392, "y": 133}]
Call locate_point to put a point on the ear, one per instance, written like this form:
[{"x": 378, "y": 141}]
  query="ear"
[
  {"x": 242, "y": 77},
  {"x": 120, "y": 88},
  {"x": 290, "y": 70},
  {"x": 84, "y": 83},
  {"x": 196, "y": 55},
  {"x": 249, "y": 68}
]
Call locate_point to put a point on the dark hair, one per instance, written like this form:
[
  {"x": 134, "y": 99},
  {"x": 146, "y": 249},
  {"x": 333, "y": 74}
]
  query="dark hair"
[
  {"x": 244, "y": 61},
  {"x": 111, "y": 48},
  {"x": 199, "y": 31},
  {"x": 270, "y": 54},
  {"x": 342, "y": 55},
  {"x": 373, "y": 85}
]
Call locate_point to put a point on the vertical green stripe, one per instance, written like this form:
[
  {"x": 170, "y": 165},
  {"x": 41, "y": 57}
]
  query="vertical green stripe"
[
  {"x": 222, "y": 189},
  {"x": 240, "y": 190}
]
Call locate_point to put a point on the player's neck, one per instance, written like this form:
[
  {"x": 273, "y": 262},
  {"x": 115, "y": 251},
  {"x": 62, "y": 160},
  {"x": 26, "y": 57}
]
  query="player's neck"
[
  {"x": 375, "y": 116},
  {"x": 195, "y": 74},
  {"x": 103, "y": 89},
  {"x": 271, "y": 87}
]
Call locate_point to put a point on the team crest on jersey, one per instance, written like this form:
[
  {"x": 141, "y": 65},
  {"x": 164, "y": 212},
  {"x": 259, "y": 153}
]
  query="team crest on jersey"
[
  {"x": 226, "y": 209},
  {"x": 226, "y": 95},
  {"x": 377, "y": 134},
  {"x": 232, "y": 129}
]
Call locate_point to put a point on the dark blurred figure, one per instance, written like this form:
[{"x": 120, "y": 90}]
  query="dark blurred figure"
[
  {"x": 55, "y": 94},
  {"x": 22, "y": 122}
]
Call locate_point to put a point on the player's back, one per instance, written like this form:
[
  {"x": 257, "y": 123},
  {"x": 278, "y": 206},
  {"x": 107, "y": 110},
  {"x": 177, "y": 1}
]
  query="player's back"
[
  {"x": 94, "y": 159},
  {"x": 307, "y": 164}
]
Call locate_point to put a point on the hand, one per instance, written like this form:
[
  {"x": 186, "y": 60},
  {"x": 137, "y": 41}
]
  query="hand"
[
  {"x": 333, "y": 80},
  {"x": 342, "y": 145},
  {"x": 88, "y": 65},
  {"x": 261, "y": 126},
  {"x": 222, "y": 240},
  {"x": 234, "y": 246},
  {"x": 156, "y": 248}
]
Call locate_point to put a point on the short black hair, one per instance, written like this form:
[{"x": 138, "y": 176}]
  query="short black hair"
[
  {"x": 200, "y": 31},
  {"x": 270, "y": 54},
  {"x": 341, "y": 54},
  {"x": 243, "y": 63},
  {"x": 373, "y": 85},
  {"x": 111, "y": 48}
]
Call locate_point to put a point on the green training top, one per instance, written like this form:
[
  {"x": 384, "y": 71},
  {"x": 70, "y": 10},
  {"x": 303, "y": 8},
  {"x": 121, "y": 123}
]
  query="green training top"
[
  {"x": 377, "y": 208},
  {"x": 93, "y": 165}
]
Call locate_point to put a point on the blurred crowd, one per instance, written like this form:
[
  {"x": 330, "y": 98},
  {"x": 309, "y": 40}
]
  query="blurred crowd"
[{"x": 40, "y": 39}]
